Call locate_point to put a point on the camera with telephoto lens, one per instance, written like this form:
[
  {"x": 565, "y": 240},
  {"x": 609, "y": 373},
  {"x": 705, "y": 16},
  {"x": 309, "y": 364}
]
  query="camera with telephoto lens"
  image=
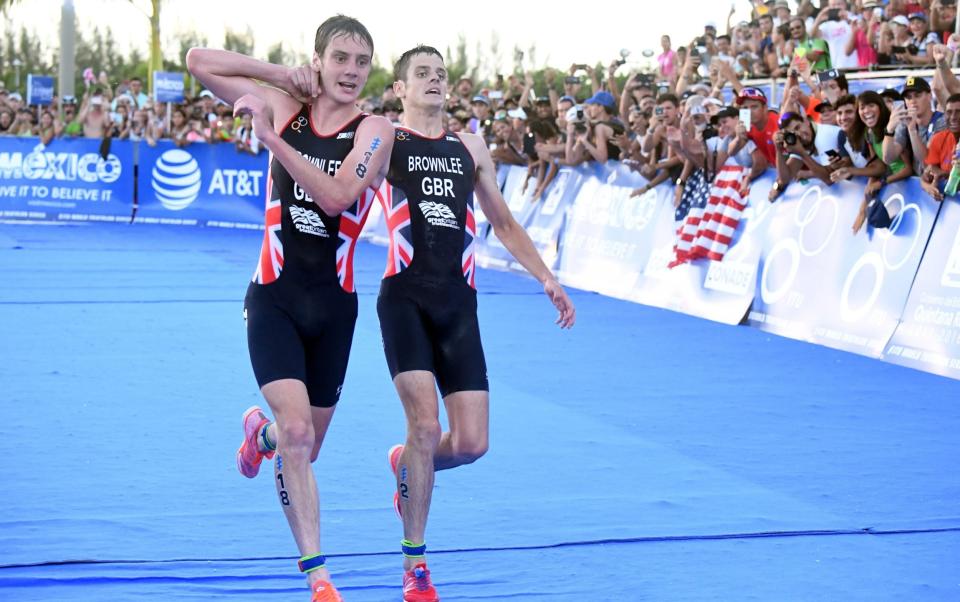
[{"x": 789, "y": 138}]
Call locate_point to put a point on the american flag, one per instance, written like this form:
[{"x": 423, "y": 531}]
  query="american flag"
[
  {"x": 693, "y": 201},
  {"x": 396, "y": 212},
  {"x": 728, "y": 199},
  {"x": 271, "y": 251}
]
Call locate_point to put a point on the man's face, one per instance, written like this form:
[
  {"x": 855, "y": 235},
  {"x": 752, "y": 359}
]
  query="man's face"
[
  {"x": 648, "y": 103},
  {"x": 562, "y": 107},
  {"x": 766, "y": 25},
  {"x": 918, "y": 101},
  {"x": 798, "y": 30},
  {"x": 846, "y": 117},
  {"x": 543, "y": 110},
  {"x": 69, "y": 112},
  {"x": 481, "y": 110},
  {"x": 6, "y": 118},
  {"x": 828, "y": 116},
  {"x": 728, "y": 125},
  {"x": 832, "y": 90},
  {"x": 723, "y": 45},
  {"x": 670, "y": 113},
  {"x": 758, "y": 111},
  {"x": 136, "y": 86},
  {"x": 454, "y": 125},
  {"x": 426, "y": 83},
  {"x": 953, "y": 117},
  {"x": 783, "y": 13},
  {"x": 464, "y": 87},
  {"x": 571, "y": 89},
  {"x": 594, "y": 112},
  {"x": 344, "y": 68}
]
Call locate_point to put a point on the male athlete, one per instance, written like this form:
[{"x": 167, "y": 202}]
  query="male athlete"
[
  {"x": 428, "y": 303},
  {"x": 301, "y": 306}
]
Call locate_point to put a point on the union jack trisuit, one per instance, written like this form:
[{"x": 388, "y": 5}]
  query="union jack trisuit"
[{"x": 301, "y": 305}]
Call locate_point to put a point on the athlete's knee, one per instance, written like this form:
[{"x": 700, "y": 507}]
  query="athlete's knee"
[
  {"x": 425, "y": 432},
  {"x": 469, "y": 450},
  {"x": 296, "y": 437}
]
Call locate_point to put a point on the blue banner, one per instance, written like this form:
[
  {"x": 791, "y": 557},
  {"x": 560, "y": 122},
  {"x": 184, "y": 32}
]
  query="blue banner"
[
  {"x": 201, "y": 184},
  {"x": 39, "y": 90},
  {"x": 542, "y": 218},
  {"x": 721, "y": 291},
  {"x": 65, "y": 180},
  {"x": 928, "y": 337},
  {"x": 608, "y": 236},
  {"x": 819, "y": 282},
  {"x": 168, "y": 86}
]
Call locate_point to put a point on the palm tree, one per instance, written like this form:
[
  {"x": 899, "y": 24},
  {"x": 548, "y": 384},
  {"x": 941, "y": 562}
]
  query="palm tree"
[{"x": 156, "y": 58}]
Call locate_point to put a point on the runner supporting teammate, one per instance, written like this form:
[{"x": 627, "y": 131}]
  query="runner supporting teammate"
[
  {"x": 301, "y": 306},
  {"x": 428, "y": 304}
]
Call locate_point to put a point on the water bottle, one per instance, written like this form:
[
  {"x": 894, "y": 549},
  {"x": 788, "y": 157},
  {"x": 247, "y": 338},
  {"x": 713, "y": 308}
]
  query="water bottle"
[{"x": 954, "y": 180}]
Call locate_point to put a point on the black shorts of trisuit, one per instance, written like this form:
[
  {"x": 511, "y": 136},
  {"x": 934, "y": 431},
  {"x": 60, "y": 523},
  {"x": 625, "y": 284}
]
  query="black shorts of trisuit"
[
  {"x": 301, "y": 334},
  {"x": 435, "y": 328}
]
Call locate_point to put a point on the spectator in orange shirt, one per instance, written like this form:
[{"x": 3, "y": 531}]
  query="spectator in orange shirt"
[{"x": 942, "y": 151}]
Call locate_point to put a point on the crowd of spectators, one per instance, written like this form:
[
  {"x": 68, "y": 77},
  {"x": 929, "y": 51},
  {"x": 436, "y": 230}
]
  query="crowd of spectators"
[
  {"x": 126, "y": 112},
  {"x": 684, "y": 121}
]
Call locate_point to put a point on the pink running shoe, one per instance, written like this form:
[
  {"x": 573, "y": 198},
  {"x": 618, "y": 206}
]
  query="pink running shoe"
[
  {"x": 249, "y": 455},
  {"x": 393, "y": 456}
]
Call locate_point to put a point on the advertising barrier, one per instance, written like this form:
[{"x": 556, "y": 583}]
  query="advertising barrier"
[
  {"x": 201, "y": 184},
  {"x": 66, "y": 180},
  {"x": 819, "y": 282},
  {"x": 609, "y": 235},
  {"x": 928, "y": 337}
]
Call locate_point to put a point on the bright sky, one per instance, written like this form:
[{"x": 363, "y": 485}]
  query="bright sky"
[{"x": 563, "y": 32}]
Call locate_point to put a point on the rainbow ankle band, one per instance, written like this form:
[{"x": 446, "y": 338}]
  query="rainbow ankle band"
[
  {"x": 413, "y": 550},
  {"x": 311, "y": 563}
]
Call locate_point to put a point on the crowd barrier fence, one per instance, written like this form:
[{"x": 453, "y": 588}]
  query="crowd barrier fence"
[{"x": 794, "y": 268}]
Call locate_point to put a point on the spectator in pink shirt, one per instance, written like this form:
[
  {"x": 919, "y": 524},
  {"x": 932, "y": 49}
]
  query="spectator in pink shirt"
[{"x": 667, "y": 59}]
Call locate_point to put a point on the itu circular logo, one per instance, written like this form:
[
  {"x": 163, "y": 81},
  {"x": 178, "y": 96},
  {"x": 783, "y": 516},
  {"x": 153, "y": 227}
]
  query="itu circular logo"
[{"x": 176, "y": 179}]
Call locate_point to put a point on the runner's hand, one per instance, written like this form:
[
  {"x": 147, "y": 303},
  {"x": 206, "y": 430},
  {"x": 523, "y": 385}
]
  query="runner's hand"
[
  {"x": 259, "y": 110},
  {"x": 561, "y": 301},
  {"x": 304, "y": 83}
]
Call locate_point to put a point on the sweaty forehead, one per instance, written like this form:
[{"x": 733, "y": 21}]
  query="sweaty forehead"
[
  {"x": 348, "y": 44},
  {"x": 426, "y": 61}
]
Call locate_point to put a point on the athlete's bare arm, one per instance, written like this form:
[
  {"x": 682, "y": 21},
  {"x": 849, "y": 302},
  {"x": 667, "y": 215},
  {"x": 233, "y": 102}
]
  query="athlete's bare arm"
[
  {"x": 512, "y": 234},
  {"x": 364, "y": 167},
  {"x": 230, "y": 75}
]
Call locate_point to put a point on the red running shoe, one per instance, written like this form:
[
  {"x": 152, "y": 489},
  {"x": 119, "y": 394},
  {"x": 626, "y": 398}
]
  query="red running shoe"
[
  {"x": 417, "y": 586},
  {"x": 393, "y": 456},
  {"x": 323, "y": 591},
  {"x": 249, "y": 455}
]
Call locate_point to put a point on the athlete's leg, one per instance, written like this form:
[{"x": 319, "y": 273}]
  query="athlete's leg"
[
  {"x": 468, "y": 439},
  {"x": 417, "y": 390},
  {"x": 299, "y": 430}
]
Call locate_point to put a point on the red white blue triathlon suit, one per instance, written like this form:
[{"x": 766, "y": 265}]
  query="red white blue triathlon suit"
[
  {"x": 428, "y": 299},
  {"x": 301, "y": 307}
]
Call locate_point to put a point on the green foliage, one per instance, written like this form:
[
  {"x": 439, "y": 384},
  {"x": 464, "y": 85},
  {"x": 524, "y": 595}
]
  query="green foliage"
[
  {"x": 239, "y": 42},
  {"x": 379, "y": 78}
]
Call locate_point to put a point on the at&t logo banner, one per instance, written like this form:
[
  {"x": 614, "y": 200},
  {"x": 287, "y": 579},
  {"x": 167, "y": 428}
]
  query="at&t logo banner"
[{"x": 208, "y": 184}]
